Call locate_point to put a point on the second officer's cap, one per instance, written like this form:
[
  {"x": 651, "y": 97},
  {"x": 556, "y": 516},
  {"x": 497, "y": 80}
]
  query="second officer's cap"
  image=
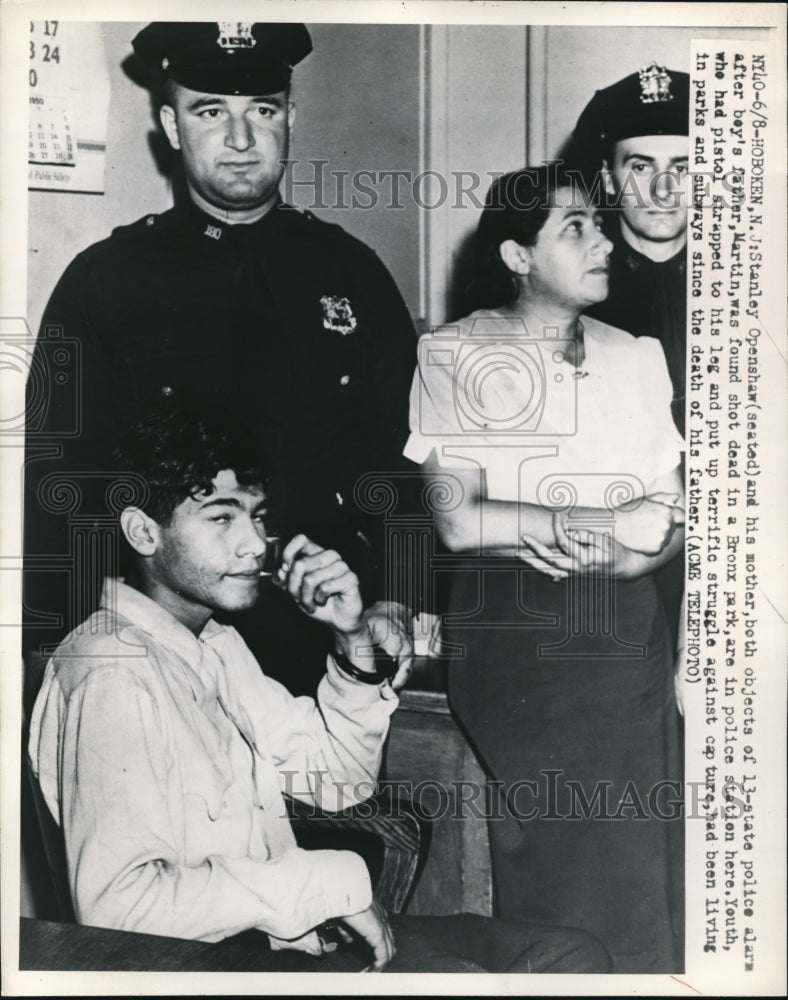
[
  {"x": 653, "y": 101},
  {"x": 223, "y": 57}
]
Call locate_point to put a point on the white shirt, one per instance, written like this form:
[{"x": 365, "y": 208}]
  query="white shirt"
[
  {"x": 164, "y": 756},
  {"x": 487, "y": 394}
]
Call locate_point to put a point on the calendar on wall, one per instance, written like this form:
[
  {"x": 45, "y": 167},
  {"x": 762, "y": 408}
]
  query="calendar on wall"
[{"x": 69, "y": 107}]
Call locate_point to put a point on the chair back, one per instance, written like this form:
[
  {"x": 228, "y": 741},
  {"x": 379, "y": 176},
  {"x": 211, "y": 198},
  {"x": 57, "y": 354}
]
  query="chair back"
[
  {"x": 54, "y": 852},
  {"x": 391, "y": 819},
  {"x": 48, "y": 837}
]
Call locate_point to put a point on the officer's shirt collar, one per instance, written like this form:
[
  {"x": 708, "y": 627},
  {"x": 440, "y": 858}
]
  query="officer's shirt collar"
[
  {"x": 634, "y": 260},
  {"x": 214, "y": 230}
]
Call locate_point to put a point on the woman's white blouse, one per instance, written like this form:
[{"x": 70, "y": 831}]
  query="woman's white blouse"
[{"x": 487, "y": 394}]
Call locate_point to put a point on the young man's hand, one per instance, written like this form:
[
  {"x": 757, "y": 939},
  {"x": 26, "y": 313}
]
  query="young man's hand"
[{"x": 322, "y": 584}]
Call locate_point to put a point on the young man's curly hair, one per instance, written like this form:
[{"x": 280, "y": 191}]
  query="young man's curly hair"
[{"x": 178, "y": 450}]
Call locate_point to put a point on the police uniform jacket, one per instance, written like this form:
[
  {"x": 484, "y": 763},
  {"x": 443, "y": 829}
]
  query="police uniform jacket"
[{"x": 649, "y": 299}]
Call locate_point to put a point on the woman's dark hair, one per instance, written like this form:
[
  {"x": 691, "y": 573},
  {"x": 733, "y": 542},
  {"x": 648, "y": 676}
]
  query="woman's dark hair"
[
  {"x": 516, "y": 207},
  {"x": 176, "y": 450}
]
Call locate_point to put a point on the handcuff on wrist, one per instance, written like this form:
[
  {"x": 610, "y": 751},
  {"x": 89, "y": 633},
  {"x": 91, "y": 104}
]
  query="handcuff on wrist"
[{"x": 386, "y": 667}]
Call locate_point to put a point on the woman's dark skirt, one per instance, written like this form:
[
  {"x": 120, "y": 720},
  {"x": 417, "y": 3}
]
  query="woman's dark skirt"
[{"x": 566, "y": 692}]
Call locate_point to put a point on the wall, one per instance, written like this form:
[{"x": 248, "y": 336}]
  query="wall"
[
  {"x": 476, "y": 128},
  {"x": 61, "y": 223},
  {"x": 362, "y": 119}
]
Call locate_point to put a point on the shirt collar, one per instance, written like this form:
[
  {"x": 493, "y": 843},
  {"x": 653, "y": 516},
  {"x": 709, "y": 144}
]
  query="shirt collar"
[
  {"x": 215, "y": 230},
  {"x": 123, "y": 600}
]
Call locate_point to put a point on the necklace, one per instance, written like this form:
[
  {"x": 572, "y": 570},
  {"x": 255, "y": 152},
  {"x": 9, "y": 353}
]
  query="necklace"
[{"x": 579, "y": 373}]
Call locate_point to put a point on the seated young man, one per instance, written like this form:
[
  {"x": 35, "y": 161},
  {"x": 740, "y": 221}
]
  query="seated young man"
[{"x": 163, "y": 751}]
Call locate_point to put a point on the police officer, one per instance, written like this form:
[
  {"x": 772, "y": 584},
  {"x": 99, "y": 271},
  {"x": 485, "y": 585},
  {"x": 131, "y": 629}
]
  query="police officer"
[
  {"x": 637, "y": 129},
  {"x": 240, "y": 301}
]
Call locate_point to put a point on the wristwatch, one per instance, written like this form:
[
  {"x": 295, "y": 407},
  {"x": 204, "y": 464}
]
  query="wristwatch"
[{"x": 386, "y": 667}]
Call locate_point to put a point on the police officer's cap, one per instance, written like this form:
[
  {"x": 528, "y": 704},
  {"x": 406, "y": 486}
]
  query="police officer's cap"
[
  {"x": 223, "y": 57},
  {"x": 653, "y": 101}
]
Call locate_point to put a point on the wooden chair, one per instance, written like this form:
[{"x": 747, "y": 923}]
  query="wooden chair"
[{"x": 391, "y": 819}]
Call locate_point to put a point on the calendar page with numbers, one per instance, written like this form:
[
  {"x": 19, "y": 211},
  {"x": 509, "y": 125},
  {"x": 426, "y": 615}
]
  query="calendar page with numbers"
[{"x": 69, "y": 106}]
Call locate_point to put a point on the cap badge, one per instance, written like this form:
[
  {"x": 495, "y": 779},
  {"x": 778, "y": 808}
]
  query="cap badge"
[
  {"x": 654, "y": 85},
  {"x": 338, "y": 315},
  {"x": 235, "y": 35}
]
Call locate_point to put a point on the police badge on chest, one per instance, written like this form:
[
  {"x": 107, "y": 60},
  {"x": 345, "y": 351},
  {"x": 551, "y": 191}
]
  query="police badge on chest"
[{"x": 338, "y": 314}]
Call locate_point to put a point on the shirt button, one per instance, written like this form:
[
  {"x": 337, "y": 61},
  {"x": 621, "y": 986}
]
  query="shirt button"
[
  {"x": 150, "y": 220},
  {"x": 340, "y": 499},
  {"x": 344, "y": 380},
  {"x": 166, "y": 390}
]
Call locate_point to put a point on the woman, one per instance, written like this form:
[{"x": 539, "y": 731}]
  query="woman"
[{"x": 551, "y": 437}]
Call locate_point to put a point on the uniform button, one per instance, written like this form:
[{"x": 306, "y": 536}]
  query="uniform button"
[
  {"x": 150, "y": 220},
  {"x": 340, "y": 499},
  {"x": 344, "y": 380},
  {"x": 166, "y": 390}
]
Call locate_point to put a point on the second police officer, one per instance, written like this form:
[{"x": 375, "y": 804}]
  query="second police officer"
[{"x": 636, "y": 131}]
